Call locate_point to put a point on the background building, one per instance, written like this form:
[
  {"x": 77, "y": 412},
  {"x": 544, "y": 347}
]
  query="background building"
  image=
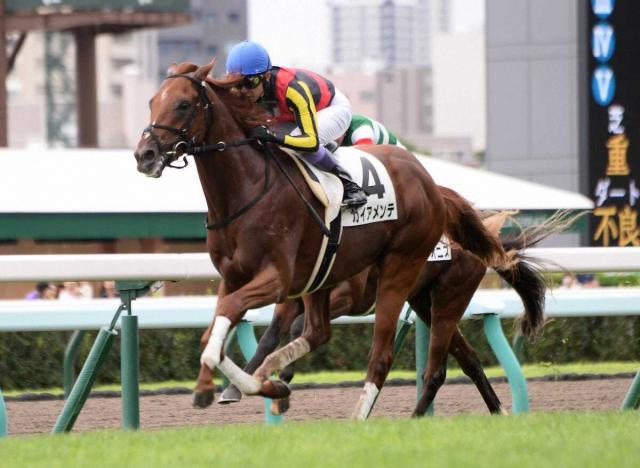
[
  {"x": 385, "y": 33},
  {"x": 459, "y": 87},
  {"x": 532, "y": 90},
  {"x": 129, "y": 67},
  {"x": 215, "y": 28}
]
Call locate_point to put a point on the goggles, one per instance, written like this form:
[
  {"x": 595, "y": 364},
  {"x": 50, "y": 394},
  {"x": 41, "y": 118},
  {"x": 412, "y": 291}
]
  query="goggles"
[{"x": 251, "y": 82}]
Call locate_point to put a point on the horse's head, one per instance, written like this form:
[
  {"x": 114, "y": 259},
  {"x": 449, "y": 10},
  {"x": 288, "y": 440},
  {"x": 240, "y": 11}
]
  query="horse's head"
[{"x": 180, "y": 113}]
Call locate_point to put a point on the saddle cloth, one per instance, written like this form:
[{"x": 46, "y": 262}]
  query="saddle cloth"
[{"x": 372, "y": 176}]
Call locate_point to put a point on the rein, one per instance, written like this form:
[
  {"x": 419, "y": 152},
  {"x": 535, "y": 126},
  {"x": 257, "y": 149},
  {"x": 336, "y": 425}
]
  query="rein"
[{"x": 182, "y": 147}]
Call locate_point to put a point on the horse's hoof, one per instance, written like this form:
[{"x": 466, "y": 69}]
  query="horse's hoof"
[
  {"x": 230, "y": 395},
  {"x": 202, "y": 399},
  {"x": 279, "y": 407},
  {"x": 274, "y": 389}
]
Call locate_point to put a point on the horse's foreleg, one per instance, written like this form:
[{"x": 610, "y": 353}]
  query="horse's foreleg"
[
  {"x": 204, "y": 391},
  {"x": 283, "y": 316},
  {"x": 265, "y": 288},
  {"x": 470, "y": 365},
  {"x": 395, "y": 283},
  {"x": 317, "y": 331}
]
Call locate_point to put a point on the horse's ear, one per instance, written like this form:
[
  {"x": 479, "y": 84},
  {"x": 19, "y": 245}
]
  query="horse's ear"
[
  {"x": 202, "y": 72},
  {"x": 173, "y": 69}
]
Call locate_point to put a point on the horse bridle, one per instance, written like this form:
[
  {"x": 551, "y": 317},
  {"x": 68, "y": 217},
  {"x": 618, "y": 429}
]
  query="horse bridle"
[{"x": 182, "y": 147}]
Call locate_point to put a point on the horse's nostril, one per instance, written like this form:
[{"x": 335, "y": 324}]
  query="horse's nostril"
[{"x": 149, "y": 155}]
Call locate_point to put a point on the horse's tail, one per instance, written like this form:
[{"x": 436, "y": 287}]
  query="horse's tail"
[
  {"x": 465, "y": 227},
  {"x": 525, "y": 275}
]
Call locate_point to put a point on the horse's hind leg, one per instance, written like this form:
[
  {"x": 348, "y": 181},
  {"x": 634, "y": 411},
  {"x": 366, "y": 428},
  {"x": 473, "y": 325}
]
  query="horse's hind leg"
[
  {"x": 436, "y": 372},
  {"x": 450, "y": 296},
  {"x": 470, "y": 365}
]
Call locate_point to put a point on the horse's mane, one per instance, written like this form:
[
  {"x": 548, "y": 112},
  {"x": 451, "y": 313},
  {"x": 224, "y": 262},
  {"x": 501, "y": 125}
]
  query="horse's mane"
[{"x": 246, "y": 113}]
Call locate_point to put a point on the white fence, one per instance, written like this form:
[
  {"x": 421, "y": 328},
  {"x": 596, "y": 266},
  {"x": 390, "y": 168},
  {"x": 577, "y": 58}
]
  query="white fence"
[
  {"x": 196, "y": 312},
  {"x": 197, "y": 266}
]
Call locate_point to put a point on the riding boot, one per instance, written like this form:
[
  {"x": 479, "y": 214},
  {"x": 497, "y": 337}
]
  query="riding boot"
[{"x": 353, "y": 196}]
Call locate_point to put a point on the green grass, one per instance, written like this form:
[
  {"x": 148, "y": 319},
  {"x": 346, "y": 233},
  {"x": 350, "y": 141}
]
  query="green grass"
[
  {"x": 532, "y": 440},
  {"x": 530, "y": 370}
]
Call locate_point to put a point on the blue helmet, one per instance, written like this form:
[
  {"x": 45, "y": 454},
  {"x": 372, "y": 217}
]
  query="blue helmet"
[{"x": 248, "y": 58}]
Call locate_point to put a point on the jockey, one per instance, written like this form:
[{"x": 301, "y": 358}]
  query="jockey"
[
  {"x": 309, "y": 112},
  {"x": 366, "y": 131}
]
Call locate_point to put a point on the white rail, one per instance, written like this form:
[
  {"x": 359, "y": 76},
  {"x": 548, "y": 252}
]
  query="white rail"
[
  {"x": 196, "y": 312},
  {"x": 197, "y": 266}
]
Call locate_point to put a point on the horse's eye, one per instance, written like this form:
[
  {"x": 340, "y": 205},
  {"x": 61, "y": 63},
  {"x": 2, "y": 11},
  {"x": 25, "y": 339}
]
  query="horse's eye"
[{"x": 184, "y": 105}]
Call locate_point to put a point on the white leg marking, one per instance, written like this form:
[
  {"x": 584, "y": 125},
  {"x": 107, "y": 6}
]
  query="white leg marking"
[
  {"x": 246, "y": 384},
  {"x": 366, "y": 401},
  {"x": 211, "y": 354},
  {"x": 283, "y": 357},
  {"x": 504, "y": 412}
]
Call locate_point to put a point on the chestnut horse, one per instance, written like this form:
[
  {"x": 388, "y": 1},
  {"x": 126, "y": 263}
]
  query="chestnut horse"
[
  {"x": 443, "y": 292},
  {"x": 261, "y": 236}
]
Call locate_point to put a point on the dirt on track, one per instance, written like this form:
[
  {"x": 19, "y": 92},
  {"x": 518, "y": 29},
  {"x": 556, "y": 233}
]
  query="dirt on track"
[{"x": 28, "y": 417}]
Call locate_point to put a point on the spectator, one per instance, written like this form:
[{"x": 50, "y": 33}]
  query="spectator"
[
  {"x": 85, "y": 289},
  {"x": 568, "y": 281},
  {"x": 42, "y": 291},
  {"x": 588, "y": 280},
  {"x": 108, "y": 289},
  {"x": 70, "y": 291}
]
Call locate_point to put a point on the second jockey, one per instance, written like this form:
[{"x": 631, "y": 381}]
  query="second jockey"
[
  {"x": 309, "y": 112},
  {"x": 364, "y": 130}
]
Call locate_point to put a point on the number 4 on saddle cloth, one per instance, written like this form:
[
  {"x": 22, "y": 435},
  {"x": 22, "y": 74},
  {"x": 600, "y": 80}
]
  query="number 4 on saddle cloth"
[{"x": 381, "y": 204}]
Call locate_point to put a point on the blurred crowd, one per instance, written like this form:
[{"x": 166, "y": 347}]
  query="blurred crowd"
[
  {"x": 71, "y": 290},
  {"x": 582, "y": 280}
]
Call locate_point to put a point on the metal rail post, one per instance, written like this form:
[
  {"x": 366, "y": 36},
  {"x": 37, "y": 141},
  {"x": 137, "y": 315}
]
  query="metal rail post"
[
  {"x": 517, "y": 344},
  {"x": 68, "y": 364},
  {"x": 632, "y": 398},
  {"x": 248, "y": 344},
  {"x": 80, "y": 391},
  {"x": 508, "y": 361},
  {"x": 129, "y": 356},
  {"x": 129, "y": 371},
  {"x": 3, "y": 416}
]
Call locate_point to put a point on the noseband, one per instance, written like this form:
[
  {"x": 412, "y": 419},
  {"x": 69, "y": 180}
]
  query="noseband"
[{"x": 182, "y": 145}]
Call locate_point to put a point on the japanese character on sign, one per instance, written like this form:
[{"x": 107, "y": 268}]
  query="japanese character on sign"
[
  {"x": 628, "y": 227},
  {"x": 616, "y": 113},
  {"x": 602, "y": 190},
  {"x": 617, "y": 164},
  {"x": 607, "y": 229}
]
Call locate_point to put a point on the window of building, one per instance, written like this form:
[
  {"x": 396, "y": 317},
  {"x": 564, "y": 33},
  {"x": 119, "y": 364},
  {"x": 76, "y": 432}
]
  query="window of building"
[{"x": 233, "y": 17}]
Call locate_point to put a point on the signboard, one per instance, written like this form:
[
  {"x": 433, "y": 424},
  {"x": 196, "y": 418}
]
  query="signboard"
[{"x": 613, "y": 77}]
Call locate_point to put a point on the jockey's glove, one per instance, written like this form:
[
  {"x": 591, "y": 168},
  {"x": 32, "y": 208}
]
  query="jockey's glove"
[{"x": 264, "y": 134}]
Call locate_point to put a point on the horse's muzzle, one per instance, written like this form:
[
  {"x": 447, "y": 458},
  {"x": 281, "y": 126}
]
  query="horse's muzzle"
[{"x": 150, "y": 162}]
